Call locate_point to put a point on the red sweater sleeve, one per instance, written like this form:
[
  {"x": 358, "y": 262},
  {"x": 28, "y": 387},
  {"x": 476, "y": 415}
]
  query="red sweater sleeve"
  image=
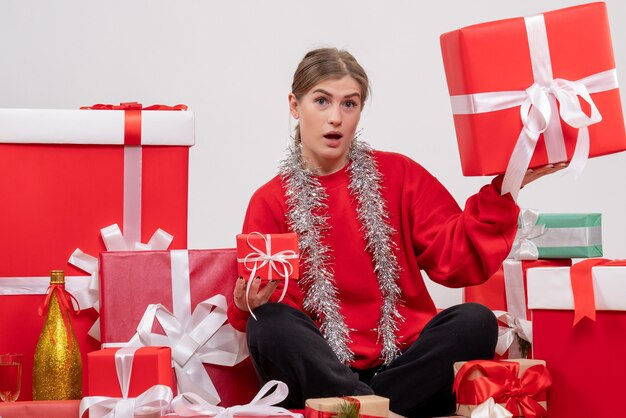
[
  {"x": 266, "y": 214},
  {"x": 461, "y": 248}
]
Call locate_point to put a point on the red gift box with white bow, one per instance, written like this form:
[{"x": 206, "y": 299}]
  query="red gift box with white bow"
[
  {"x": 529, "y": 91},
  {"x": 66, "y": 174},
  {"x": 268, "y": 256}
]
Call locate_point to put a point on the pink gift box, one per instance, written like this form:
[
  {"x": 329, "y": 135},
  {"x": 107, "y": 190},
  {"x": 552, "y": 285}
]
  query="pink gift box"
[{"x": 130, "y": 281}]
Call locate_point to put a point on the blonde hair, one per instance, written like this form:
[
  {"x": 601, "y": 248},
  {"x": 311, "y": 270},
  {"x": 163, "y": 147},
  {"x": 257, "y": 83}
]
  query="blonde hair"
[{"x": 323, "y": 64}]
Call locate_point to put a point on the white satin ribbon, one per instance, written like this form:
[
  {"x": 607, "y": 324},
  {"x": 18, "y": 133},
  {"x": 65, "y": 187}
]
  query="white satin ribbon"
[
  {"x": 514, "y": 288},
  {"x": 266, "y": 257},
  {"x": 190, "y": 404},
  {"x": 523, "y": 247},
  {"x": 113, "y": 240},
  {"x": 516, "y": 305},
  {"x": 132, "y": 194},
  {"x": 157, "y": 399},
  {"x": 516, "y": 328},
  {"x": 490, "y": 409},
  {"x": 539, "y": 111},
  {"x": 203, "y": 336},
  {"x": 76, "y": 285}
]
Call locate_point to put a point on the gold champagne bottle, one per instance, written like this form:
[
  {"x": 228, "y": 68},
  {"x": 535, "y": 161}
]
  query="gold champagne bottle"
[{"x": 57, "y": 368}]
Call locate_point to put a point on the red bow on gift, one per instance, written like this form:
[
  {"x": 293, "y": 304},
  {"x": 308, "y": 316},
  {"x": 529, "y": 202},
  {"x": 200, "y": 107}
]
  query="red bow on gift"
[
  {"x": 500, "y": 381},
  {"x": 133, "y": 106},
  {"x": 582, "y": 286},
  {"x": 132, "y": 117}
]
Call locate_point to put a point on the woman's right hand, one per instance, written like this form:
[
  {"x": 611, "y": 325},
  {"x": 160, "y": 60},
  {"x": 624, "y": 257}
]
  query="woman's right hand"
[{"x": 256, "y": 297}]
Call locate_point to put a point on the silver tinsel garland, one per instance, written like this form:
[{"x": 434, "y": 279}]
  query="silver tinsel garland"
[{"x": 306, "y": 202}]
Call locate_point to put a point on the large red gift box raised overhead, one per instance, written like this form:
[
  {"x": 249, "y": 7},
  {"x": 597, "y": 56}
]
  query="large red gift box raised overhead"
[
  {"x": 64, "y": 175},
  {"x": 184, "y": 290},
  {"x": 586, "y": 360},
  {"x": 494, "y": 68}
]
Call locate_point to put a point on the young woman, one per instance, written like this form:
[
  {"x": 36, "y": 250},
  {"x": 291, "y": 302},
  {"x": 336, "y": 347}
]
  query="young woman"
[{"x": 360, "y": 320}]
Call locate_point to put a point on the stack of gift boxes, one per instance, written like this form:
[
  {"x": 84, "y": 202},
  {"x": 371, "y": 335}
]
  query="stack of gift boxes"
[
  {"x": 101, "y": 193},
  {"x": 525, "y": 92},
  {"x": 87, "y": 189}
]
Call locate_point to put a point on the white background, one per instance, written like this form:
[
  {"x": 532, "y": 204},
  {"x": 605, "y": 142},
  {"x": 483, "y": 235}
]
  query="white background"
[{"x": 232, "y": 63}]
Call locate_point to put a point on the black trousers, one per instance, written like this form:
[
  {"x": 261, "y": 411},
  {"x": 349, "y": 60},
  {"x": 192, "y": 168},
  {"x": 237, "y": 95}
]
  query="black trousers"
[{"x": 285, "y": 344}]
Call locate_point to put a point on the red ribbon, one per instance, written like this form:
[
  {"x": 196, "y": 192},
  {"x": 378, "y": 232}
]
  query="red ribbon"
[
  {"x": 499, "y": 380},
  {"x": 314, "y": 413},
  {"x": 582, "y": 286},
  {"x": 132, "y": 117},
  {"x": 65, "y": 299}
]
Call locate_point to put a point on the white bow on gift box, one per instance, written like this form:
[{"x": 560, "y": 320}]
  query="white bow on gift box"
[
  {"x": 114, "y": 240},
  {"x": 490, "y": 409},
  {"x": 190, "y": 404},
  {"x": 524, "y": 248},
  {"x": 516, "y": 328},
  {"x": 155, "y": 400},
  {"x": 201, "y": 336}
]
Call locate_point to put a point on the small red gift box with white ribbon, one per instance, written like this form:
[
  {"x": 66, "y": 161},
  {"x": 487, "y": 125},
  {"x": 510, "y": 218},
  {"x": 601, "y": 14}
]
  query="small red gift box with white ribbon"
[{"x": 269, "y": 257}]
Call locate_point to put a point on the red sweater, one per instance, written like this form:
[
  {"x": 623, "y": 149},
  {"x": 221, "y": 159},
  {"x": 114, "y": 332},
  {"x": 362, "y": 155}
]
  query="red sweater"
[{"x": 455, "y": 248}]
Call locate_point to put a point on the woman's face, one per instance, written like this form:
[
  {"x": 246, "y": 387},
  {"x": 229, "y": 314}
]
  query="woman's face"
[{"x": 328, "y": 114}]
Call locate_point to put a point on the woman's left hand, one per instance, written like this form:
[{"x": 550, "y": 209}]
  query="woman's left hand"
[{"x": 536, "y": 173}]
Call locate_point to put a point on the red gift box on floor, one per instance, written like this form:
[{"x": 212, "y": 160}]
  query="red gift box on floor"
[
  {"x": 493, "y": 68},
  {"x": 150, "y": 366},
  {"x": 181, "y": 281},
  {"x": 518, "y": 385},
  {"x": 586, "y": 360},
  {"x": 69, "y": 173},
  {"x": 506, "y": 290},
  {"x": 130, "y": 381}
]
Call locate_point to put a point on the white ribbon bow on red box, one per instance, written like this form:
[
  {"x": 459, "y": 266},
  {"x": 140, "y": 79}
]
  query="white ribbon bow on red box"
[{"x": 539, "y": 111}]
